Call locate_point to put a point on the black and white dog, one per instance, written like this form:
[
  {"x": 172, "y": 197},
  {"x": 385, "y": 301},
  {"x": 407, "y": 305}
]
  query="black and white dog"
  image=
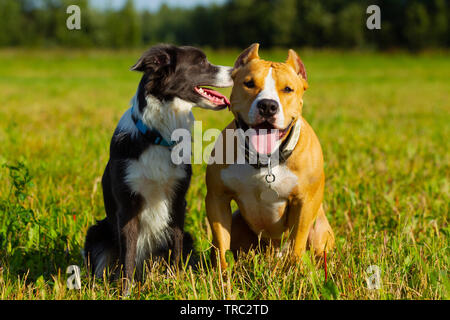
[{"x": 144, "y": 192}]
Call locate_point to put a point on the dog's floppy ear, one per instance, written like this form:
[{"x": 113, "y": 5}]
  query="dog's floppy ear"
[
  {"x": 297, "y": 64},
  {"x": 152, "y": 60},
  {"x": 247, "y": 55}
]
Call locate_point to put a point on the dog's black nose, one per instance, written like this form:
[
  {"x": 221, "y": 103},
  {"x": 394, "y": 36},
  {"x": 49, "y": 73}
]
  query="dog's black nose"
[{"x": 267, "y": 107}]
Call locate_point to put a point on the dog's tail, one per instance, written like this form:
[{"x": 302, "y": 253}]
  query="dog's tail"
[{"x": 99, "y": 249}]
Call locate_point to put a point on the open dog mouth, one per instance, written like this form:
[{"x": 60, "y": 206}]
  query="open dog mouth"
[
  {"x": 212, "y": 96},
  {"x": 265, "y": 137}
]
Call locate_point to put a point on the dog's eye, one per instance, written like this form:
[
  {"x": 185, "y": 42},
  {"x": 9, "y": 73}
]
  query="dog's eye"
[
  {"x": 287, "y": 89},
  {"x": 249, "y": 84}
]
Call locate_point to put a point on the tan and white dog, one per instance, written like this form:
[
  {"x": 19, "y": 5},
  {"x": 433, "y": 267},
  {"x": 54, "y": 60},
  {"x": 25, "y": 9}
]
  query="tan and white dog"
[{"x": 279, "y": 202}]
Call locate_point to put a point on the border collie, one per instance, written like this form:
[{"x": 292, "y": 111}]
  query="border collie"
[{"x": 144, "y": 192}]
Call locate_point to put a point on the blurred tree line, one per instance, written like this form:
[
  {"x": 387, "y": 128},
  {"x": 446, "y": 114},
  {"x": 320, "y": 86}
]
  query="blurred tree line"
[{"x": 413, "y": 24}]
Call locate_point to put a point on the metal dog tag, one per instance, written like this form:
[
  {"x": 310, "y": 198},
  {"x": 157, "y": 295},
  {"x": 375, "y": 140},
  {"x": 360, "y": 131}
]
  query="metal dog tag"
[{"x": 269, "y": 194}]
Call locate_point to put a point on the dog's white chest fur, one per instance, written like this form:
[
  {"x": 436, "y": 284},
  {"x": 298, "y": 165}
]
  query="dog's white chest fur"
[
  {"x": 248, "y": 183},
  {"x": 154, "y": 177}
]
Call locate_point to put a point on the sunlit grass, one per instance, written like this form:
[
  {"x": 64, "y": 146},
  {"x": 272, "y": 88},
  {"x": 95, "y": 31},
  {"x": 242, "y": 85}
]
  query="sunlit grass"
[{"x": 383, "y": 122}]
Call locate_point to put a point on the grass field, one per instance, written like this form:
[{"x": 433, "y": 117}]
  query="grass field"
[{"x": 383, "y": 122}]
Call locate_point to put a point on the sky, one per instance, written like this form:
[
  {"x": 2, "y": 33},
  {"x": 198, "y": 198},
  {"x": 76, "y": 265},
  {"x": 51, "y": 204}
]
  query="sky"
[{"x": 153, "y": 5}]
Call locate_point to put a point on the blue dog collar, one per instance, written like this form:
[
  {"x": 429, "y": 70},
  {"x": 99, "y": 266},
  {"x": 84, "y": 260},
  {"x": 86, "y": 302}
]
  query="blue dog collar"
[{"x": 151, "y": 134}]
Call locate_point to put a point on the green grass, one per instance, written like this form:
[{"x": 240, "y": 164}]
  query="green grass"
[{"x": 383, "y": 122}]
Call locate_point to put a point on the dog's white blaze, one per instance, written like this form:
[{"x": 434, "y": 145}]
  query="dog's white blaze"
[
  {"x": 223, "y": 77},
  {"x": 248, "y": 183},
  {"x": 269, "y": 91}
]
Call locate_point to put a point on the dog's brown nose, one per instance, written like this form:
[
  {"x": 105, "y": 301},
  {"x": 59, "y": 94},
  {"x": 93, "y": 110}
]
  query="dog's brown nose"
[{"x": 267, "y": 107}]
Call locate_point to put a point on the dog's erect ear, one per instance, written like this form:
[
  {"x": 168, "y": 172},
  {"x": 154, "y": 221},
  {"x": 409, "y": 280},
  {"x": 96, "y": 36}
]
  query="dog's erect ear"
[
  {"x": 247, "y": 55},
  {"x": 296, "y": 63},
  {"x": 152, "y": 60}
]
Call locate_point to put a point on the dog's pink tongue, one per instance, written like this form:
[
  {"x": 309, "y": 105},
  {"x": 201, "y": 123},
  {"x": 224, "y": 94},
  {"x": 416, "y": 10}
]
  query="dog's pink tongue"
[{"x": 264, "y": 143}]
